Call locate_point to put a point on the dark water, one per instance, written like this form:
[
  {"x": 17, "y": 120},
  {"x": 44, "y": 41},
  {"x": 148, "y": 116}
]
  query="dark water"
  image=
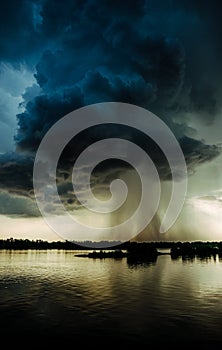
[{"x": 55, "y": 296}]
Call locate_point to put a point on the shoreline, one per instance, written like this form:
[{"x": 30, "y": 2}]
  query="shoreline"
[{"x": 125, "y": 249}]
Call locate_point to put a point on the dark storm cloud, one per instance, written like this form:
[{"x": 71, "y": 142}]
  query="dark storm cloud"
[
  {"x": 16, "y": 173},
  {"x": 159, "y": 55},
  {"x": 197, "y": 152},
  {"x": 20, "y": 37},
  {"x": 17, "y": 205},
  {"x": 197, "y": 25},
  {"x": 41, "y": 113},
  {"x": 117, "y": 61}
]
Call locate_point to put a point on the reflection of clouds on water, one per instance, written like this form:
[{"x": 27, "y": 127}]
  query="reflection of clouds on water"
[{"x": 59, "y": 295}]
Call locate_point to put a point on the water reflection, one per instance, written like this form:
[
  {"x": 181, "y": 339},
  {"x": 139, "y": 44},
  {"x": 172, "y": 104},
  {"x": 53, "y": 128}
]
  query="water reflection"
[
  {"x": 196, "y": 258},
  {"x": 135, "y": 262},
  {"x": 162, "y": 300}
]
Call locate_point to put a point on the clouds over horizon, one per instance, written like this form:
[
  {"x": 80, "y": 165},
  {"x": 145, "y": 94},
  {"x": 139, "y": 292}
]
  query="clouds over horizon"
[{"x": 143, "y": 53}]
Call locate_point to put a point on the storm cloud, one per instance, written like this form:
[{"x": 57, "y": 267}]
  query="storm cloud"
[{"x": 159, "y": 55}]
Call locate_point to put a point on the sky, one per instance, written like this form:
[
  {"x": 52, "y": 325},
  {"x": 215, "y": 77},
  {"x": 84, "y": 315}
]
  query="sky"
[{"x": 164, "y": 56}]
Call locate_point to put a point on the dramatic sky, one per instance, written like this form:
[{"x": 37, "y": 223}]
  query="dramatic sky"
[{"x": 164, "y": 56}]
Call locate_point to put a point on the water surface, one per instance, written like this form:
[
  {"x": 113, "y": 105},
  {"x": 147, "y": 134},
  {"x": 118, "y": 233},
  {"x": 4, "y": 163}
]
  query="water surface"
[{"x": 55, "y": 295}]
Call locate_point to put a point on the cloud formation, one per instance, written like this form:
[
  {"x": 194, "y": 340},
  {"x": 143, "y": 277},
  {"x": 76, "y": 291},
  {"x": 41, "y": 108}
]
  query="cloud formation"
[{"x": 158, "y": 55}]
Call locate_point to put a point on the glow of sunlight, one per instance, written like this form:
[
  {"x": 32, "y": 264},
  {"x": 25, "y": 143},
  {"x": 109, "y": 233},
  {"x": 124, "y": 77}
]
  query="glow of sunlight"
[{"x": 212, "y": 208}]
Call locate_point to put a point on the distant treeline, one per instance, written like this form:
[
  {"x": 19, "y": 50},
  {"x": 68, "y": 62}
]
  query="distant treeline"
[
  {"x": 190, "y": 249},
  {"x": 12, "y": 243},
  {"x": 199, "y": 249}
]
